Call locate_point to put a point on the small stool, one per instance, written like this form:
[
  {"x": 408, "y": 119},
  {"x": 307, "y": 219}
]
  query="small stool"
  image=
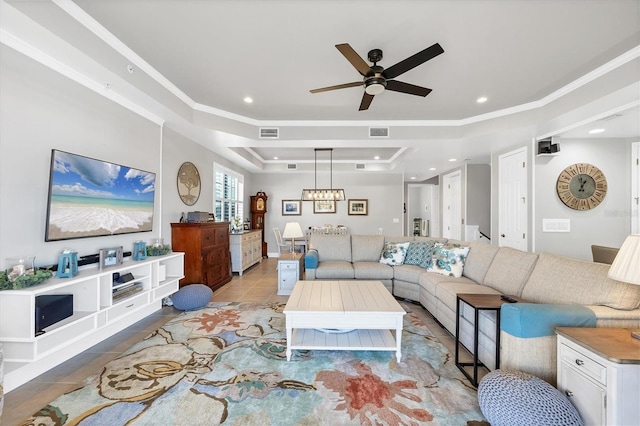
[
  {"x": 516, "y": 398},
  {"x": 192, "y": 297}
]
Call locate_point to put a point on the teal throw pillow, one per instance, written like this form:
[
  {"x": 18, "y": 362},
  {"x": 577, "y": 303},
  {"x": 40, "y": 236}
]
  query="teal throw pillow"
[{"x": 419, "y": 254}]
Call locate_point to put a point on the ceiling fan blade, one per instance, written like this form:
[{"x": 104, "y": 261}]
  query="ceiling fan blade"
[
  {"x": 366, "y": 101},
  {"x": 412, "y": 61},
  {"x": 355, "y": 59},
  {"x": 398, "y": 86},
  {"x": 339, "y": 86}
]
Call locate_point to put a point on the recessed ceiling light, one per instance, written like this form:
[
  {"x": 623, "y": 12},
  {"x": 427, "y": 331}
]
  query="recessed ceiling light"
[
  {"x": 452, "y": 160},
  {"x": 275, "y": 158},
  {"x": 412, "y": 178},
  {"x": 594, "y": 131},
  {"x": 432, "y": 168},
  {"x": 377, "y": 157},
  {"x": 248, "y": 100},
  {"x": 481, "y": 99}
]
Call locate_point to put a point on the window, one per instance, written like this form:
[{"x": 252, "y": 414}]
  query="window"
[{"x": 229, "y": 194}]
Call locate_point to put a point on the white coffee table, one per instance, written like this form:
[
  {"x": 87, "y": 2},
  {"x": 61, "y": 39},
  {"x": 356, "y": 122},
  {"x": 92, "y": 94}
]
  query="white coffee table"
[{"x": 364, "y": 307}]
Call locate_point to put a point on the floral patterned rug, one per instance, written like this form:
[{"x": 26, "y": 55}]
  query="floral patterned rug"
[{"x": 226, "y": 364}]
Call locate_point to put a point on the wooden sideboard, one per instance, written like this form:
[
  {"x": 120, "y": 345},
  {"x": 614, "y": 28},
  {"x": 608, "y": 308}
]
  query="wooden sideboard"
[{"x": 206, "y": 247}]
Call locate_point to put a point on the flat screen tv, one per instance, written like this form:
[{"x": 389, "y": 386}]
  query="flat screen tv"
[{"x": 92, "y": 198}]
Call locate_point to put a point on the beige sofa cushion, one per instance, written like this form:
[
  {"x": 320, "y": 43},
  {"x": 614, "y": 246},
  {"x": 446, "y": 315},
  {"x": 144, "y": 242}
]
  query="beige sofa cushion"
[
  {"x": 558, "y": 279},
  {"x": 510, "y": 270},
  {"x": 430, "y": 239},
  {"x": 366, "y": 248},
  {"x": 331, "y": 247},
  {"x": 479, "y": 260},
  {"x": 408, "y": 273},
  {"x": 372, "y": 271},
  {"x": 430, "y": 281},
  {"x": 447, "y": 292},
  {"x": 397, "y": 239},
  {"x": 335, "y": 269}
]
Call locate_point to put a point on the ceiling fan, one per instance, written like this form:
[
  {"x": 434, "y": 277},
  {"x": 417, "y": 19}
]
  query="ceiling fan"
[{"x": 377, "y": 79}]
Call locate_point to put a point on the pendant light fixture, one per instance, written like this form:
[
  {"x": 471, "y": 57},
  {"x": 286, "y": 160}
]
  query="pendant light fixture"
[{"x": 323, "y": 194}]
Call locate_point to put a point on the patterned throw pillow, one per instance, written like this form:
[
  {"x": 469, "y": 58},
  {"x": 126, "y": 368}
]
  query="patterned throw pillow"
[
  {"x": 419, "y": 253},
  {"x": 394, "y": 253},
  {"x": 447, "y": 260}
]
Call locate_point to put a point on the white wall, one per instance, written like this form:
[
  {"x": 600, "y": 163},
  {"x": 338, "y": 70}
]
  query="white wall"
[{"x": 607, "y": 224}]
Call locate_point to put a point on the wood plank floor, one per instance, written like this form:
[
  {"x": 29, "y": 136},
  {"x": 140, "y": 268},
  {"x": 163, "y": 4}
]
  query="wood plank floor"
[{"x": 258, "y": 284}]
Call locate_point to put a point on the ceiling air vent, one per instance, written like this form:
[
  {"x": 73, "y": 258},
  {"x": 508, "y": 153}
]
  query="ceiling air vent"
[
  {"x": 361, "y": 166},
  {"x": 292, "y": 166},
  {"x": 268, "y": 133},
  {"x": 378, "y": 132}
]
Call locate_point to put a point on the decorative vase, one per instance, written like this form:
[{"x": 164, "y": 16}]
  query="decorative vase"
[
  {"x": 139, "y": 250},
  {"x": 67, "y": 264}
]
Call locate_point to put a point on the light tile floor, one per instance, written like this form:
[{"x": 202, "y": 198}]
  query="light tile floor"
[{"x": 258, "y": 284}]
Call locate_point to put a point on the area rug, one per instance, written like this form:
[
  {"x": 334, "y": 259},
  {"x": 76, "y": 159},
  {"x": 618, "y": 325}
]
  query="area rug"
[{"x": 226, "y": 364}]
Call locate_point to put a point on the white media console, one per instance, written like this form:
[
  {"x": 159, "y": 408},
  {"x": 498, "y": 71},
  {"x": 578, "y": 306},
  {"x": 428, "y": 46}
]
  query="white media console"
[{"x": 97, "y": 314}]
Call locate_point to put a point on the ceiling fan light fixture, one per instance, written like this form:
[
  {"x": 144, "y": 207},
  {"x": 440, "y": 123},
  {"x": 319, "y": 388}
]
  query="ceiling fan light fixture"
[{"x": 375, "y": 85}]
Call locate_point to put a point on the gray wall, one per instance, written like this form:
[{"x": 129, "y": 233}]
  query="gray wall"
[
  {"x": 383, "y": 190},
  {"x": 607, "y": 224},
  {"x": 478, "y": 211},
  {"x": 42, "y": 110},
  {"x": 178, "y": 149}
]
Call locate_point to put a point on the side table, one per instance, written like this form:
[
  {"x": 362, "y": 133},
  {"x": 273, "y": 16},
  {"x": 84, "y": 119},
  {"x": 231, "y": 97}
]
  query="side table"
[
  {"x": 599, "y": 371},
  {"x": 479, "y": 302},
  {"x": 290, "y": 268}
]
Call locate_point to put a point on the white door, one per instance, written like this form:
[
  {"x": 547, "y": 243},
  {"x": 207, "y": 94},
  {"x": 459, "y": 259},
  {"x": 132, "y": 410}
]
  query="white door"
[
  {"x": 512, "y": 199},
  {"x": 635, "y": 188},
  {"x": 434, "y": 219},
  {"x": 452, "y": 205}
]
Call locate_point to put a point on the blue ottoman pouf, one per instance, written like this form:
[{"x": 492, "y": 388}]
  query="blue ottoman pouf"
[
  {"x": 517, "y": 398},
  {"x": 192, "y": 297}
]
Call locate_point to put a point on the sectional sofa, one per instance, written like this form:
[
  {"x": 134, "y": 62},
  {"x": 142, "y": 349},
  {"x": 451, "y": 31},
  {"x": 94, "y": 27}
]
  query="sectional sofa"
[{"x": 559, "y": 291}]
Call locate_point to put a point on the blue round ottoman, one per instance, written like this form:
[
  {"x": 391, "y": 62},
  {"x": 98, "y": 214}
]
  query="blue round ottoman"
[
  {"x": 517, "y": 398},
  {"x": 192, "y": 297}
]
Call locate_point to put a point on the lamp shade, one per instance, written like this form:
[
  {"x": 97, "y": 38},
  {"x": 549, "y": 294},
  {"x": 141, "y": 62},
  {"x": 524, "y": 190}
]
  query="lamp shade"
[
  {"x": 626, "y": 265},
  {"x": 292, "y": 230}
]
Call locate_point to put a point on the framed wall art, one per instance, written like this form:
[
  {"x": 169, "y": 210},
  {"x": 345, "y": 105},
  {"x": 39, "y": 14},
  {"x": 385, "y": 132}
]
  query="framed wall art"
[
  {"x": 291, "y": 207},
  {"x": 358, "y": 207},
  {"x": 189, "y": 183},
  {"x": 324, "y": 206}
]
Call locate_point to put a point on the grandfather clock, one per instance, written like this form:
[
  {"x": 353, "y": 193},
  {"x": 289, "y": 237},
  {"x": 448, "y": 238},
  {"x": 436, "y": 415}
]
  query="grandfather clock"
[{"x": 258, "y": 209}]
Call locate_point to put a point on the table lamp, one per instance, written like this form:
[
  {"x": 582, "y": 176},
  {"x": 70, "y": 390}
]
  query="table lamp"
[
  {"x": 626, "y": 265},
  {"x": 292, "y": 230}
]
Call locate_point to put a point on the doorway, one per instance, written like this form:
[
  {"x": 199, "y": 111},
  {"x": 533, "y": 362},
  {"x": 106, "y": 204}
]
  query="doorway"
[
  {"x": 452, "y": 205},
  {"x": 512, "y": 199}
]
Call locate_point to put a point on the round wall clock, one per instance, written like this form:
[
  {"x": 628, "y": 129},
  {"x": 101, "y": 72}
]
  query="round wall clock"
[
  {"x": 189, "y": 183},
  {"x": 581, "y": 186}
]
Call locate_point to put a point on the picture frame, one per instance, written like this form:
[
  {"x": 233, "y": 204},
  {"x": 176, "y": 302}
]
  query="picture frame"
[
  {"x": 291, "y": 207},
  {"x": 110, "y": 257},
  {"x": 246, "y": 226},
  {"x": 358, "y": 207},
  {"x": 324, "y": 206},
  {"x": 188, "y": 181}
]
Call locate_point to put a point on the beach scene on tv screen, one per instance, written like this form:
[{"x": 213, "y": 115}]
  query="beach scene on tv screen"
[{"x": 89, "y": 197}]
